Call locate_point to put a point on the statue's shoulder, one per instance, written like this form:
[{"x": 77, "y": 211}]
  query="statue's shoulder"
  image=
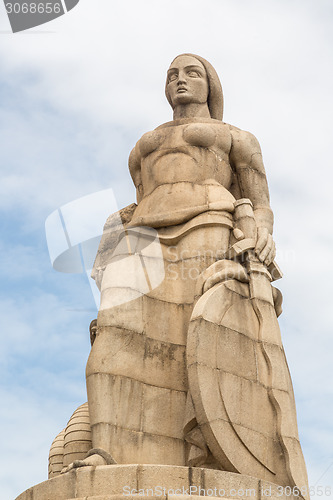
[
  {"x": 241, "y": 135},
  {"x": 141, "y": 146},
  {"x": 166, "y": 125},
  {"x": 242, "y": 140}
]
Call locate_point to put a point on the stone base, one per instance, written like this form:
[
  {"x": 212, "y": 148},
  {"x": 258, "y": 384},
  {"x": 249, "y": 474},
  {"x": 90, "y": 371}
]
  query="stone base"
[{"x": 152, "y": 482}]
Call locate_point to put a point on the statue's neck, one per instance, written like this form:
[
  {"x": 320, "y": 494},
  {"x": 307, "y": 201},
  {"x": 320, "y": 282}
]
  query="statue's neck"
[{"x": 191, "y": 110}]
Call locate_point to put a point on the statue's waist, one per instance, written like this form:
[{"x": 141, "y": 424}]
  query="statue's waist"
[{"x": 173, "y": 204}]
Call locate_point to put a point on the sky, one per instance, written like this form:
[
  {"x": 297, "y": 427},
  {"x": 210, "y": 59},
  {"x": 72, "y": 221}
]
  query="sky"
[{"x": 75, "y": 96}]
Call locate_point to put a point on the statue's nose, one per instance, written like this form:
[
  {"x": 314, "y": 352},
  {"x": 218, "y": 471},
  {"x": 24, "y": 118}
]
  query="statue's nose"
[{"x": 181, "y": 78}]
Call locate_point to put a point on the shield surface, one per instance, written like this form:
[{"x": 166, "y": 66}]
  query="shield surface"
[{"x": 240, "y": 384}]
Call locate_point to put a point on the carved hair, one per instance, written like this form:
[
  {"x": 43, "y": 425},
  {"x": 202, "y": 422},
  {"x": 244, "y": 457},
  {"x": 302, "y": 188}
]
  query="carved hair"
[{"x": 215, "y": 95}]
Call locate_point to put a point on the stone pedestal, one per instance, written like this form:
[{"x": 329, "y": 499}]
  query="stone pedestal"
[{"x": 151, "y": 482}]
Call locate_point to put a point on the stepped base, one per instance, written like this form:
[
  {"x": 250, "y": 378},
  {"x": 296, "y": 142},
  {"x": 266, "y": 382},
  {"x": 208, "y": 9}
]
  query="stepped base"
[{"x": 153, "y": 482}]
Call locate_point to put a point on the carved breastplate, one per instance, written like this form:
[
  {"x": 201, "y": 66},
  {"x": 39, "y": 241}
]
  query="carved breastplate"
[
  {"x": 185, "y": 171},
  {"x": 204, "y": 135},
  {"x": 191, "y": 152}
]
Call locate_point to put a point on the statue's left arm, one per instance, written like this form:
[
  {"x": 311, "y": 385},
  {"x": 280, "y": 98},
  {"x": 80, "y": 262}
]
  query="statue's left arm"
[
  {"x": 246, "y": 161},
  {"x": 134, "y": 164}
]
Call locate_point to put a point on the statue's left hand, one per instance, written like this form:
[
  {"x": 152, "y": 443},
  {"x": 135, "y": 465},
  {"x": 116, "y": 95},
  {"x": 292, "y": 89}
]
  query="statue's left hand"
[{"x": 265, "y": 246}]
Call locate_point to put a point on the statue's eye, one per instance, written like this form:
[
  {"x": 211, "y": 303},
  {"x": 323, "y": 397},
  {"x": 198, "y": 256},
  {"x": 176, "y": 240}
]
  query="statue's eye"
[
  {"x": 194, "y": 74},
  {"x": 172, "y": 77}
]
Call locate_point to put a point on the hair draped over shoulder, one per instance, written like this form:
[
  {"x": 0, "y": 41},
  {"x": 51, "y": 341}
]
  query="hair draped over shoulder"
[{"x": 215, "y": 96}]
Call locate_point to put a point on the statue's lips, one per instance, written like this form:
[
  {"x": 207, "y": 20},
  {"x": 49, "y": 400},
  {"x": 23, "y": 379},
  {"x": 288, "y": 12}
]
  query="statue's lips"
[{"x": 181, "y": 90}]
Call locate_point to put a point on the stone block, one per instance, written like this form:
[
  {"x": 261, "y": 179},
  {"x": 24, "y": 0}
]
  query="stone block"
[
  {"x": 164, "y": 411},
  {"x": 233, "y": 485},
  {"x": 105, "y": 480},
  {"x": 171, "y": 320}
]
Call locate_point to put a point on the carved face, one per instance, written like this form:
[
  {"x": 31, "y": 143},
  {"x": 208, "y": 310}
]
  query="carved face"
[{"x": 187, "y": 81}]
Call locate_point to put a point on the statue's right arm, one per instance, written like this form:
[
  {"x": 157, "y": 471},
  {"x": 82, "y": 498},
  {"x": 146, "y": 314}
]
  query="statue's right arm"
[
  {"x": 134, "y": 164},
  {"x": 246, "y": 161}
]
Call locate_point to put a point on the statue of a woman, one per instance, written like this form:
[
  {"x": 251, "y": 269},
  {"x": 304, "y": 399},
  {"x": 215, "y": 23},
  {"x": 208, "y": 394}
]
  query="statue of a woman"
[{"x": 191, "y": 371}]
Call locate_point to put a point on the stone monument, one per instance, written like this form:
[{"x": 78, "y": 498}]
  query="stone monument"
[{"x": 189, "y": 391}]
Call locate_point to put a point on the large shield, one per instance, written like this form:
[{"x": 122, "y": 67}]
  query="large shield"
[{"x": 240, "y": 383}]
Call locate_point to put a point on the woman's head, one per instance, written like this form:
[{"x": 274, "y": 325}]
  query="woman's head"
[{"x": 193, "y": 79}]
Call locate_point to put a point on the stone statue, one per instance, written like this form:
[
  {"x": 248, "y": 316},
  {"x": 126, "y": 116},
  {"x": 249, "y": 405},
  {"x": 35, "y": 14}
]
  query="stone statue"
[{"x": 187, "y": 366}]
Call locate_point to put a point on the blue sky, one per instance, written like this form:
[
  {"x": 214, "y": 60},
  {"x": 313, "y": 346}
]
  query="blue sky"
[{"x": 75, "y": 96}]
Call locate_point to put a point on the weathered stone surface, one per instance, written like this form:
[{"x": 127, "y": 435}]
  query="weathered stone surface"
[
  {"x": 56, "y": 455},
  {"x": 116, "y": 482},
  {"x": 77, "y": 438}
]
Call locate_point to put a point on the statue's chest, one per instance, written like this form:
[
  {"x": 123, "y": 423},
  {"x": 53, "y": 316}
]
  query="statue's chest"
[
  {"x": 182, "y": 138},
  {"x": 191, "y": 153}
]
